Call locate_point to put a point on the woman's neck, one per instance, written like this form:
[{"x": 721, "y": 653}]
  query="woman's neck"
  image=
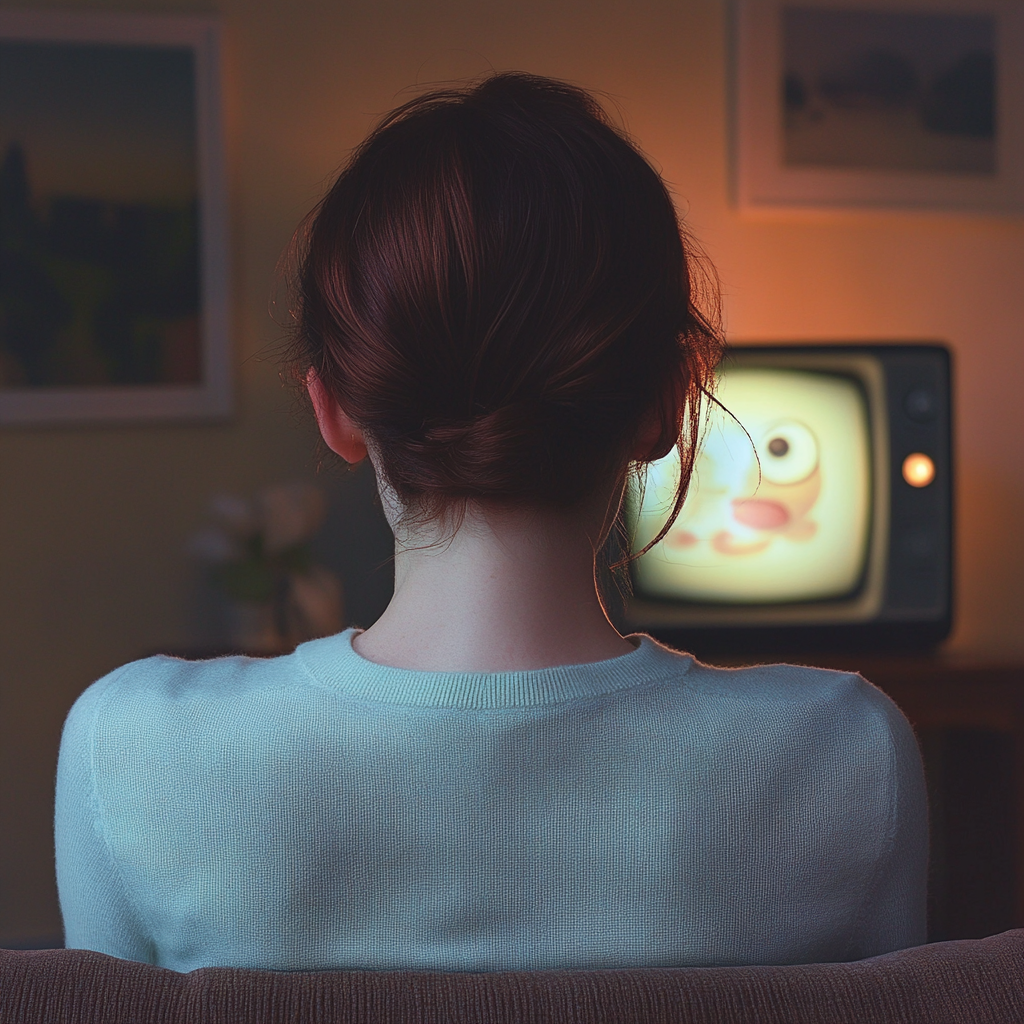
[{"x": 510, "y": 590}]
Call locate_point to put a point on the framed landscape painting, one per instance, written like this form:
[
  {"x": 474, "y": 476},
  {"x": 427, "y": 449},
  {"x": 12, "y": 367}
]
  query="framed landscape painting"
[
  {"x": 113, "y": 239},
  {"x": 861, "y": 103}
]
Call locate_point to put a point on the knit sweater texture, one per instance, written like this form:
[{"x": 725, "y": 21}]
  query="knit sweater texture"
[{"x": 318, "y": 811}]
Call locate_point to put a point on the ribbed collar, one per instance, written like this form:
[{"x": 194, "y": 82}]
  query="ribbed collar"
[{"x": 333, "y": 662}]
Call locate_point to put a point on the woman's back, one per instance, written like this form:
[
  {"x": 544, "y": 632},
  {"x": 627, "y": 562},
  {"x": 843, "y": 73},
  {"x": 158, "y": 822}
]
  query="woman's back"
[
  {"x": 319, "y": 811},
  {"x": 497, "y": 305}
]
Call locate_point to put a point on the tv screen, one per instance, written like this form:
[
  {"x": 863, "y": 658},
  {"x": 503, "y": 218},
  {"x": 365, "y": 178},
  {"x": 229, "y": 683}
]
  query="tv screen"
[{"x": 805, "y": 524}]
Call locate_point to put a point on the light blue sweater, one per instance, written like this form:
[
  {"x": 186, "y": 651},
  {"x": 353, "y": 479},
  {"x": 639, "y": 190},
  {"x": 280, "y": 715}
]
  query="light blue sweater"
[{"x": 318, "y": 811}]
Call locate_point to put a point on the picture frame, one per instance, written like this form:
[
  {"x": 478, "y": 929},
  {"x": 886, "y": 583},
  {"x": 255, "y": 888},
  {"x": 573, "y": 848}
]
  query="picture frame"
[
  {"x": 847, "y": 104},
  {"x": 114, "y": 280}
]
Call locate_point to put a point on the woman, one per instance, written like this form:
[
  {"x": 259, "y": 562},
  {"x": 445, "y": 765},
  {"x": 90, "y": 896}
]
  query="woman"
[{"x": 497, "y": 308}]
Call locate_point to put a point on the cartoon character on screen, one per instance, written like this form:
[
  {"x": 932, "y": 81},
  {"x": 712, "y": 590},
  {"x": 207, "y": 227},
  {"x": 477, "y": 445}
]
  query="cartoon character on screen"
[{"x": 749, "y": 494}]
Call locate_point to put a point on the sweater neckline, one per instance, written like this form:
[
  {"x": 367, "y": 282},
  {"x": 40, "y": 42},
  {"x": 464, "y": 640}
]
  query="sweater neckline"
[{"x": 334, "y": 662}]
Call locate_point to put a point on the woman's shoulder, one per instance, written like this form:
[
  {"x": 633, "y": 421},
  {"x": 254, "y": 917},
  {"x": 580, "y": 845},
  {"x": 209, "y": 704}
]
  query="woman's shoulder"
[
  {"x": 161, "y": 688},
  {"x": 778, "y": 695},
  {"x": 784, "y": 683},
  {"x": 816, "y": 701}
]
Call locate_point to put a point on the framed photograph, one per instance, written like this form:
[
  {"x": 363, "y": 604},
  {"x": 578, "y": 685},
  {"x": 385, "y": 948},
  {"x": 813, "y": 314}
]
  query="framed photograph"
[
  {"x": 873, "y": 103},
  {"x": 113, "y": 235}
]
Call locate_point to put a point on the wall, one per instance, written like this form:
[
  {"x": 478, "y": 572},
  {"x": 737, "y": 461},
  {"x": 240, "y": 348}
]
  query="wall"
[{"x": 93, "y": 520}]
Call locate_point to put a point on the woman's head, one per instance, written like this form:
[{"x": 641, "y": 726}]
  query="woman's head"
[{"x": 497, "y": 292}]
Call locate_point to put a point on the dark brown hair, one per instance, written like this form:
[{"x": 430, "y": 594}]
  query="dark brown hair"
[{"x": 497, "y": 290}]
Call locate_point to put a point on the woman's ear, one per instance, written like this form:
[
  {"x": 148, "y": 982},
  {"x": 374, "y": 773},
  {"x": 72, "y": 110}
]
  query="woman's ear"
[
  {"x": 341, "y": 435},
  {"x": 652, "y": 442}
]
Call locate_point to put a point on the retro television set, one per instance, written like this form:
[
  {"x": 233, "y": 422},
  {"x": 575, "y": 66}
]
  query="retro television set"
[{"x": 819, "y": 516}]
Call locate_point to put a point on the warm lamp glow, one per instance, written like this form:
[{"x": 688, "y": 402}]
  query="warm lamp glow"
[{"x": 918, "y": 470}]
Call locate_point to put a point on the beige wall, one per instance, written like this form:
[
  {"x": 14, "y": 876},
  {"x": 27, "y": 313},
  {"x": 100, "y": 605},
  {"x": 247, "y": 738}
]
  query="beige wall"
[{"x": 93, "y": 520}]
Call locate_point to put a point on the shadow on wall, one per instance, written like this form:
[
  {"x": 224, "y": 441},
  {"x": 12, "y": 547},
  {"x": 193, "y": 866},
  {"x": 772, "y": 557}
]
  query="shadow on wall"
[{"x": 356, "y": 542}]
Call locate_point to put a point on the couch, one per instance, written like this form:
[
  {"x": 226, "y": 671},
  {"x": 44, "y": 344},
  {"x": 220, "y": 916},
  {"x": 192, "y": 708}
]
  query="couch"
[{"x": 975, "y": 981}]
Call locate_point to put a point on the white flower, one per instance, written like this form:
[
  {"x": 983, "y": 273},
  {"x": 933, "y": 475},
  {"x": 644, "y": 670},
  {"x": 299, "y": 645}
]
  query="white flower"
[
  {"x": 213, "y": 545},
  {"x": 236, "y": 513}
]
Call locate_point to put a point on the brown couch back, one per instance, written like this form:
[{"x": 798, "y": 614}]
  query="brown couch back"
[{"x": 975, "y": 981}]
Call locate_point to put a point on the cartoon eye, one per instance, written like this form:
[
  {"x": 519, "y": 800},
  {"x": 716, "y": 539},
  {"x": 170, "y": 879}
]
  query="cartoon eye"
[{"x": 788, "y": 453}]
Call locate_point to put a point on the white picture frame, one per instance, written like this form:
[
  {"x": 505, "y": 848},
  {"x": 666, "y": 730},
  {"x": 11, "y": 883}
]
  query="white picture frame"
[
  {"x": 199, "y": 383},
  {"x": 772, "y": 170}
]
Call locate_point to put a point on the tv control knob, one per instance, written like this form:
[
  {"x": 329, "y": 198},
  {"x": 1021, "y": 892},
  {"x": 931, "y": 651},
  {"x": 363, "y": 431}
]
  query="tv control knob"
[{"x": 918, "y": 469}]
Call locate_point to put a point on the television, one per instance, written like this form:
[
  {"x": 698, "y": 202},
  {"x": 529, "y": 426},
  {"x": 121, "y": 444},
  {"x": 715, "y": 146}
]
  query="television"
[{"x": 819, "y": 514}]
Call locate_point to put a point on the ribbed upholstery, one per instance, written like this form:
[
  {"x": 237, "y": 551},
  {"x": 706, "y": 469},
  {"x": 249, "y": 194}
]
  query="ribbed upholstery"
[{"x": 971, "y": 981}]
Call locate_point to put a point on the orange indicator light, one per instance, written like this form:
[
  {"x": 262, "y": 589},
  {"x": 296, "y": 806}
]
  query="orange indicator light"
[{"x": 918, "y": 470}]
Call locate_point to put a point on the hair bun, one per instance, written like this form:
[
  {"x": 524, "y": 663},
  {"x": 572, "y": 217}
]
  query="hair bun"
[
  {"x": 504, "y": 248},
  {"x": 502, "y": 454}
]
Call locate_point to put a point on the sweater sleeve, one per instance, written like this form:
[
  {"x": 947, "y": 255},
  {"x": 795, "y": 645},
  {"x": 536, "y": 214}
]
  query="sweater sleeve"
[
  {"x": 97, "y": 911},
  {"x": 894, "y": 912}
]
